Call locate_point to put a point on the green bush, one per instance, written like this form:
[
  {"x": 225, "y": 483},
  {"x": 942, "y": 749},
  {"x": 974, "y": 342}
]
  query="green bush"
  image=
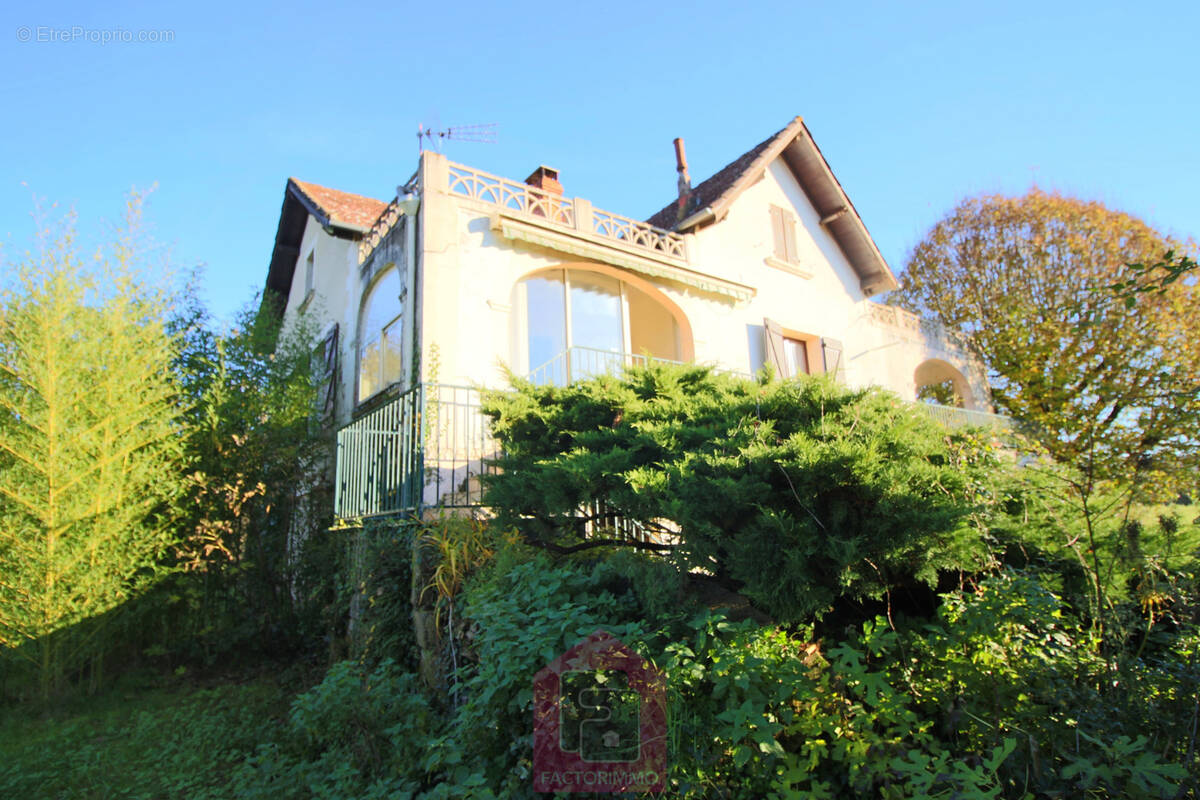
[
  {"x": 383, "y": 578},
  {"x": 523, "y": 614},
  {"x": 355, "y": 735},
  {"x": 798, "y": 493}
]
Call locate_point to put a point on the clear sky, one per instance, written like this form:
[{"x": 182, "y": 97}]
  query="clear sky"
[{"x": 915, "y": 104}]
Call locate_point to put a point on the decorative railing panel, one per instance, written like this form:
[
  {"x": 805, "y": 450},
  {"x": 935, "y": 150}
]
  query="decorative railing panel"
[
  {"x": 427, "y": 446},
  {"x": 383, "y": 225},
  {"x": 379, "y": 467},
  {"x": 580, "y": 363},
  {"x": 638, "y": 234},
  {"x": 931, "y": 330},
  {"x": 510, "y": 195},
  {"x": 522, "y": 199}
]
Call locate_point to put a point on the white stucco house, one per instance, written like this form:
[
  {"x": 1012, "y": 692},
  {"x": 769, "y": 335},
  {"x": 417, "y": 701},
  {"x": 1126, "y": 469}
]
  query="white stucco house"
[{"x": 424, "y": 298}]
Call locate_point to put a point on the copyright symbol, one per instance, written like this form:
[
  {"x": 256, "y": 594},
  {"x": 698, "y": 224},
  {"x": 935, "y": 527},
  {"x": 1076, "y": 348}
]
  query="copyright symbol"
[{"x": 24, "y": 34}]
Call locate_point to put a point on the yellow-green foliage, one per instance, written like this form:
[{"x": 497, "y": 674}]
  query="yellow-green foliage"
[{"x": 90, "y": 447}]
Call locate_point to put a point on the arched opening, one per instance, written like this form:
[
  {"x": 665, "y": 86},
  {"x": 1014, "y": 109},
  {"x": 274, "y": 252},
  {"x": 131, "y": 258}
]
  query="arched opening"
[
  {"x": 940, "y": 383},
  {"x": 576, "y": 321},
  {"x": 380, "y": 335}
]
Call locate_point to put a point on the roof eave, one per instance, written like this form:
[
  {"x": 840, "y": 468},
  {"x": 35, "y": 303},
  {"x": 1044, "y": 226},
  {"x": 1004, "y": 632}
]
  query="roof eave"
[
  {"x": 293, "y": 217},
  {"x": 808, "y": 164},
  {"x": 803, "y": 157}
]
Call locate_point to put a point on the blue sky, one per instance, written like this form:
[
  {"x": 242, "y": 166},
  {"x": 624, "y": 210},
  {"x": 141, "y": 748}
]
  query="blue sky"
[{"x": 915, "y": 105}]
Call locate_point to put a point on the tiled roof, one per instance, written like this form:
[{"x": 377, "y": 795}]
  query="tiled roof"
[
  {"x": 709, "y": 191},
  {"x": 342, "y": 207}
]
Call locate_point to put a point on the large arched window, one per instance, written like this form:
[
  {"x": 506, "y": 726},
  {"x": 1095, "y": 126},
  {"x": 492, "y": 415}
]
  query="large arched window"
[
  {"x": 380, "y": 334},
  {"x": 581, "y": 323}
]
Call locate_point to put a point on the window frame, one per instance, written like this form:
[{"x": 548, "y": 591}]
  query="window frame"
[
  {"x": 365, "y": 339},
  {"x": 623, "y": 287}
]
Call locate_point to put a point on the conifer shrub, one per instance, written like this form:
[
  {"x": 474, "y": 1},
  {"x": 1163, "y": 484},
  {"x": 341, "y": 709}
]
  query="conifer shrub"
[{"x": 796, "y": 493}]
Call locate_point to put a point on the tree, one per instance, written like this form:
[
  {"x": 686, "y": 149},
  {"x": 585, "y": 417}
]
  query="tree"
[
  {"x": 1093, "y": 351},
  {"x": 1031, "y": 281},
  {"x": 259, "y": 487},
  {"x": 91, "y": 455}
]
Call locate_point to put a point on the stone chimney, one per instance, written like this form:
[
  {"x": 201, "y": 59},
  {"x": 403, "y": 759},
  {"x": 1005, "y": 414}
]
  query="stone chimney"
[
  {"x": 546, "y": 179},
  {"x": 685, "y": 182}
]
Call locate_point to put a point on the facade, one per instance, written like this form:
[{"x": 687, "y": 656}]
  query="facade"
[{"x": 465, "y": 276}]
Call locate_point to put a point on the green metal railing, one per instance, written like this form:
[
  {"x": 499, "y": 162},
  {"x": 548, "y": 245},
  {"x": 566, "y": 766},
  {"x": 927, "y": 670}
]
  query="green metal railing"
[{"x": 426, "y": 446}]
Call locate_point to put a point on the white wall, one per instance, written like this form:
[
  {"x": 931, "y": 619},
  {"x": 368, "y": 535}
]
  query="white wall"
[{"x": 469, "y": 304}]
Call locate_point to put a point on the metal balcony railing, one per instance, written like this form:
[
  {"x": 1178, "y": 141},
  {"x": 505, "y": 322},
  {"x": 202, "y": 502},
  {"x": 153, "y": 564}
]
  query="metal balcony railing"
[
  {"x": 580, "y": 363},
  {"x": 954, "y": 418},
  {"x": 427, "y": 446}
]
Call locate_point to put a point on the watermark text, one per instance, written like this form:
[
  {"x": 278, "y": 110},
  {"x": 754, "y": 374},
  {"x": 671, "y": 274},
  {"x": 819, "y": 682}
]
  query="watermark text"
[{"x": 80, "y": 34}]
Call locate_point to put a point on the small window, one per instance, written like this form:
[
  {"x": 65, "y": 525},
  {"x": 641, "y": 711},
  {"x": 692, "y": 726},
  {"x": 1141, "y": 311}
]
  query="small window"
[
  {"x": 795, "y": 356},
  {"x": 310, "y": 269},
  {"x": 790, "y": 353},
  {"x": 783, "y": 229}
]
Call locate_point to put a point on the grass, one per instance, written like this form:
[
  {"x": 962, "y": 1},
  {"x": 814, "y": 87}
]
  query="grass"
[{"x": 145, "y": 738}]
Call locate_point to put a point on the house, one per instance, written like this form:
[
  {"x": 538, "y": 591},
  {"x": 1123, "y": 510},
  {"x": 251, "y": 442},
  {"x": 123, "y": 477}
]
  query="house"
[{"x": 427, "y": 297}]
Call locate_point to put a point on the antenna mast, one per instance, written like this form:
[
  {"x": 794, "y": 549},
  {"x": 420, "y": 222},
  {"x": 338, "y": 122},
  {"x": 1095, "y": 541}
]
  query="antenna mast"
[{"x": 483, "y": 133}]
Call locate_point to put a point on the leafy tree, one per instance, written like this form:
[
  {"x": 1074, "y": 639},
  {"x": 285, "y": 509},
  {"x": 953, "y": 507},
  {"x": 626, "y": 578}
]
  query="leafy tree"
[
  {"x": 798, "y": 493},
  {"x": 258, "y": 488},
  {"x": 1044, "y": 285},
  {"x": 91, "y": 454},
  {"x": 1089, "y": 334}
]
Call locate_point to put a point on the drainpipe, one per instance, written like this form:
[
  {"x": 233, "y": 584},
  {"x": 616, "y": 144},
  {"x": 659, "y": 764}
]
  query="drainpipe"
[{"x": 409, "y": 207}]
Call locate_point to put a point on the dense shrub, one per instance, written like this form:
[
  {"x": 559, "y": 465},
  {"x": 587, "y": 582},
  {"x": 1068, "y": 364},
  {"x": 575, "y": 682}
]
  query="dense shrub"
[
  {"x": 524, "y": 611},
  {"x": 797, "y": 492},
  {"x": 356, "y": 734}
]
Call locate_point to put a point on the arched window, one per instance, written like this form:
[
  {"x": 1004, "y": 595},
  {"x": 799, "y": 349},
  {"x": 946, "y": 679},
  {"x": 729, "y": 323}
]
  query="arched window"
[
  {"x": 380, "y": 334},
  {"x": 581, "y": 323}
]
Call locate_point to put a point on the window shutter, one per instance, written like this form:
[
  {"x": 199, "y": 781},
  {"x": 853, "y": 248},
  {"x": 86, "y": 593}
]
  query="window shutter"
[
  {"x": 774, "y": 347},
  {"x": 789, "y": 237},
  {"x": 327, "y": 377},
  {"x": 832, "y": 351},
  {"x": 779, "y": 233}
]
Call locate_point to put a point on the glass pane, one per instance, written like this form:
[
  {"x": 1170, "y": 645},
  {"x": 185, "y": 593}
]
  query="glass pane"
[
  {"x": 382, "y": 306},
  {"x": 595, "y": 312},
  {"x": 652, "y": 328},
  {"x": 596, "y": 329},
  {"x": 547, "y": 326},
  {"x": 795, "y": 353},
  {"x": 368, "y": 370},
  {"x": 391, "y": 354}
]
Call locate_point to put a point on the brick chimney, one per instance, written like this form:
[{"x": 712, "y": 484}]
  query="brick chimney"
[
  {"x": 685, "y": 182},
  {"x": 546, "y": 179}
]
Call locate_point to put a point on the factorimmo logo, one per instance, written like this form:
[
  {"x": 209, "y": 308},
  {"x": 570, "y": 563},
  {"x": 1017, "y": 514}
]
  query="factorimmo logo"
[{"x": 599, "y": 721}]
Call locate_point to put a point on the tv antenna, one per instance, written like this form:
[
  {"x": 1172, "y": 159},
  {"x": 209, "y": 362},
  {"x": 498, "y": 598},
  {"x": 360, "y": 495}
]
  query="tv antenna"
[{"x": 483, "y": 133}]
